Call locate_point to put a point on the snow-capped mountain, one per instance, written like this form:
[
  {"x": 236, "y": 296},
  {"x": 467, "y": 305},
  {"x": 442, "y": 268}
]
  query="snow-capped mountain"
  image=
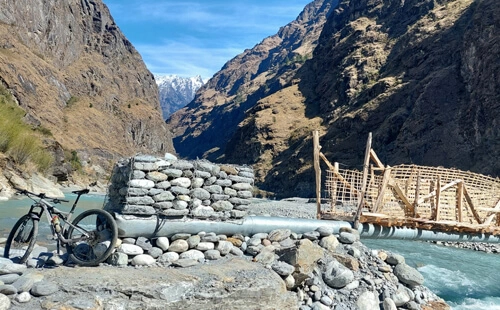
[{"x": 176, "y": 92}]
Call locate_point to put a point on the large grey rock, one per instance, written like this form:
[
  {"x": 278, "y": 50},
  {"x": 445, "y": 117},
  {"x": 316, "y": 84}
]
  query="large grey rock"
[
  {"x": 337, "y": 276},
  {"x": 178, "y": 190},
  {"x": 193, "y": 241},
  {"x": 163, "y": 185},
  {"x": 367, "y": 301},
  {"x": 347, "y": 238},
  {"x": 389, "y": 304},
  {"x": 222, "y": 206},
  {"x": 238, "y": 179},
  {"x": 130, "y": 249},
  {"x": 224, "y": 247},
  {"x": 212, "y": 254},
  {"x": 164, "y": 196},
  {"x": 242, "y": 186},
  {"x": 192, "y": 254},
  {"x": 265, "y": 257},
  {"x": 144, "y": 243},
  {"x": 138, "y": 209},
  {"x": 329, "y": 243},
  {"x": 9, "y": 267},
  {"x": 8, "y": 289},
  {"x": 142, "y": 260},
  {"x": 401, "y": 296},
  {"x": 163, "y": 243},
  {"x": 279, "y": 235},
  {"x": 214, "y": 189},
  {"x": 4, "y": 302},
  {"x": 174, "y": 173},
  {"x": 155, "y": 252},
  {"x": 118, "y": 259},
  {"x": 22, "y": 298},
  {"x": 168, "y": 257},
  {"x": 283, "y": 269},
  {"x": 23, "y": 284},
  {"x": 303, "y": 257},
  {"x": 200, "y": 193},
  {"x": 203, "y": 212},
  {"x": 182, "y": 182},
  {"x": 408, "y": 275},
  {"x": 9, "y": 278},
  {"x": 44, "y": 288},
  {"x": 178, "y": 246},
  {"x": 182, "y": 165},
  {"x": 394, "y": 259},
  {"x": 156, "y": 176},
  {"x": 141, "y": 183},
  {"x": 205, "y": 246}
]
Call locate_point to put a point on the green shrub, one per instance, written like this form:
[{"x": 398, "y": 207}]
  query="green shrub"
[
  {"x": 17, "y": 139},
  {"x": 71, "y": 101},
  {"x": 74, "y": 160}
]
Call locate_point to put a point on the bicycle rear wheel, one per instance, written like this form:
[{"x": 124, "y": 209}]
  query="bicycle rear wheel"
[
  {"x": 93, "y": 238},
  {"x": 21, "y": 239}
]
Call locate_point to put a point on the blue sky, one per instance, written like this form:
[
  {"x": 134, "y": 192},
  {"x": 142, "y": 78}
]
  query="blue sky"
[{"x": 196, "y": 37}]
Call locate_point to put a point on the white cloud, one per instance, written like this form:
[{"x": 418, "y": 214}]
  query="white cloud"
[{"x": 184, "y": 59}]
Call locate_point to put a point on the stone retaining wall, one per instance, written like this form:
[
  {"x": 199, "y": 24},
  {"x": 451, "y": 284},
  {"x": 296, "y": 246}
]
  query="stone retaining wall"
[{"x": 146, "y": 185}]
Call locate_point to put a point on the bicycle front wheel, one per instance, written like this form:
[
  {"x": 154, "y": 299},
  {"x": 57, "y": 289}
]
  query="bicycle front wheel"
[
  {"x": 93, "y": 237},
  {"x": 21, "y": 239}
]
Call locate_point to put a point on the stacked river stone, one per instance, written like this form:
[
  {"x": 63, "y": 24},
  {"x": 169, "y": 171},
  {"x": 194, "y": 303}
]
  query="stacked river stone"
[
  {"x": 146, "y": 185},
  {"x": 325, "y": 270}
]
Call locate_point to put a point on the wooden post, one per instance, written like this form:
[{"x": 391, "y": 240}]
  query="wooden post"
[
  {"x": 433, "y": 206},
  {"x": 471, "y": 206},
  {"x": 438, "y": 194},
  {"x": 317, "y": 169},
  {"x": 417, "y": 195},
  {"x": 460, "y": 197},
  {"x": 381, "y": 193},
  {"x": 334, "y": 185},
  {"x": 365, "y": 177}
]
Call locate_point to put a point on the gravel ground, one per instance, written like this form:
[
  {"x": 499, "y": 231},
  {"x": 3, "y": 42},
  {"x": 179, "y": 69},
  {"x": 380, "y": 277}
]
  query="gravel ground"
[{"x": 290, "y": 207}]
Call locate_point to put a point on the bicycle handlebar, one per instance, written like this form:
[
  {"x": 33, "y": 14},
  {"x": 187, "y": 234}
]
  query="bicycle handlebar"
[{"x": 41, "y": 195}]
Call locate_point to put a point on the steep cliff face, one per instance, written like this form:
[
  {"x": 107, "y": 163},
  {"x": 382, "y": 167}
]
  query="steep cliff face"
[
  {"x": 73, "y": 71},
  {"x": 422, "y": 75},
  {"x": 203, "y": 128}
]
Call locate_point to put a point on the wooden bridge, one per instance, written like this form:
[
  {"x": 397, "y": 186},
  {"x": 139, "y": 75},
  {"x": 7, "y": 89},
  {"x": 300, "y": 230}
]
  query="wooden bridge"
[{"x": 431, "y": 198}]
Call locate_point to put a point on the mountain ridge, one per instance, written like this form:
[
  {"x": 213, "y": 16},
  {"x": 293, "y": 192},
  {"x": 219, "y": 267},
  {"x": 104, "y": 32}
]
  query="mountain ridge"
[
  {"x": 81, "y": 81},
  {"x": 414, "y": 73},
  {"x": 176, "y": 92}
]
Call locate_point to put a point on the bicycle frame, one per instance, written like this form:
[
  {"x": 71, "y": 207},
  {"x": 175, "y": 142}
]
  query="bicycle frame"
[{"x": 51, "y": 211}]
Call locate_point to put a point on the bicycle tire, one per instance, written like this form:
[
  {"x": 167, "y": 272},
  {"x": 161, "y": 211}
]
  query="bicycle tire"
[
  {"x": 103, "y": 234},
  {"x": 21, "y": 240}
]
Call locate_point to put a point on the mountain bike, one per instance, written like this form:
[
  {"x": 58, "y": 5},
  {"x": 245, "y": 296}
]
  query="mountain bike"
[{"x": 89, "y": 239}]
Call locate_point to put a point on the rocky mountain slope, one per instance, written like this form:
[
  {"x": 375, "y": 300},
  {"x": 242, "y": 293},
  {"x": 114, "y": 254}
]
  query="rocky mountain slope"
[
  {"x": 75, "y": 74},
  {"x": 176, "y": 92},
  {"x": 204, "y": 127},
  {"x": 420, "y": 74}
]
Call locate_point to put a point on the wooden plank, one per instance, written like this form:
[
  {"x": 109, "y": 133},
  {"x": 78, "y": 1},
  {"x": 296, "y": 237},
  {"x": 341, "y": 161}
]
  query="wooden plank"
[
  {"x": 441, "y": 189},
  {"x": 460, "y": 198},
  {"x": 417, "y": 194},
  {"x": 322, "y": 156},
  {"x": 317, "y": 170},
  {"x": 376, "y": 160},
  {"x": 401, "y": 195},
  {"x": 438, "y": 195},
  {"x": 471, "y": 206},
  {"x": 496, "y": 209},
  {"x": 365, "y": 177},
  {"x": 381, "y": 193}
]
